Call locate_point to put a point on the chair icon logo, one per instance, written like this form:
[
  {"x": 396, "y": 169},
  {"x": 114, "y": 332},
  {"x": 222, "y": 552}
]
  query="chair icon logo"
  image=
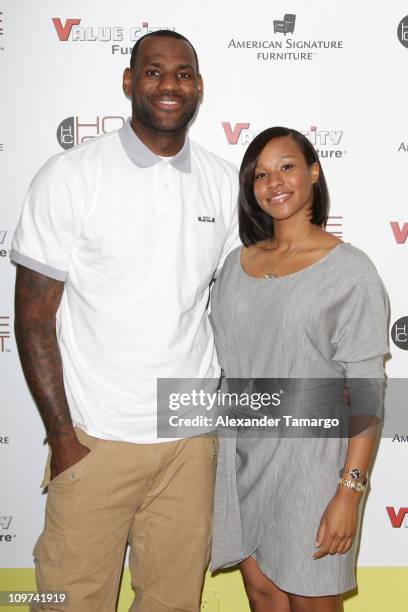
[
  {"x": 402, "y": 31},
  {"x": 286, "y": 26}
]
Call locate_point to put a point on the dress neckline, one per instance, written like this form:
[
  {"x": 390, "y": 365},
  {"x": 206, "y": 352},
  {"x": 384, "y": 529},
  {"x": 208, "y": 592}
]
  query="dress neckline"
[{"x": 291, "y": 274}]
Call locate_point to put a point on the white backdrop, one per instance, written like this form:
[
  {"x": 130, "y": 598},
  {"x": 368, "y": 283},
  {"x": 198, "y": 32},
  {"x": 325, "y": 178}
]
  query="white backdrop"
[{"x": 349, "y": 99}]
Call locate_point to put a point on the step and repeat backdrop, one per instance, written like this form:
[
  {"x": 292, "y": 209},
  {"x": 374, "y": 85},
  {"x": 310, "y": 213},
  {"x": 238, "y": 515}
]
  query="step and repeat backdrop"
[{"x": 333, "y": 70}]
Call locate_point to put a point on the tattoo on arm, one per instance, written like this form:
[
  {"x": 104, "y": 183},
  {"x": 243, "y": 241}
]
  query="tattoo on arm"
[{"x": 37, "y": 299}]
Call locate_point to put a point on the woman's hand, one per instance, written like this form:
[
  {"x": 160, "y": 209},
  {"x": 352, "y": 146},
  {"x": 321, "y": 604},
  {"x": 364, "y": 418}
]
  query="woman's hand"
[{"x": 338, "y": 524}]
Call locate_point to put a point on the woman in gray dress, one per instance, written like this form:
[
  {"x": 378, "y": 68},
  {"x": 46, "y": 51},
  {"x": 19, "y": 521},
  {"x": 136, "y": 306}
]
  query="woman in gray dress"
[{"x": 295, "y": 304}]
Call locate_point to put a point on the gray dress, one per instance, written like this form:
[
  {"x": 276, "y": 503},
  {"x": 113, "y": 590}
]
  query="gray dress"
[{"x": 328, "y": 321}]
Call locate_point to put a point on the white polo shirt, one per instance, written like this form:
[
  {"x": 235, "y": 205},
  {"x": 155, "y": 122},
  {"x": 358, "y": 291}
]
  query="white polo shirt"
[{"x": 137, "y": 240}]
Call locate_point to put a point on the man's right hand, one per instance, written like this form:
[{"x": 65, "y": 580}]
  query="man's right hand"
[
  {"x": 38, "y": 298},
  {"x": 65, "y": 456}
]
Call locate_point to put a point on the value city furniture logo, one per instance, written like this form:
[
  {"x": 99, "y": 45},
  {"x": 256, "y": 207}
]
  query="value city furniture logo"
[
  {"x": 399, "y": 333},
  {"x": 5, "y": 522},
  {"x": 325, "y": 138},
  {"x": 397, "y": 518},
  {"x": 326, "y": 142},
  {"x": 4, "y": 439},
  {"x": 71, "y": 30},
  {"x": 400, "y": 233},
  {"x": 3, "y": 251},
  {"x": 402, "y": 31},
  {"x": 5, "y": 525},
  {"x": 286, "y": 48},
  {"x": 71, "y": 132}
]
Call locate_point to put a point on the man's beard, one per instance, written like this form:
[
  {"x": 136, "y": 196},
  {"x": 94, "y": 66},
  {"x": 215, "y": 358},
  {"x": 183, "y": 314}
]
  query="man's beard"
[{"x": 147, "y": 116}]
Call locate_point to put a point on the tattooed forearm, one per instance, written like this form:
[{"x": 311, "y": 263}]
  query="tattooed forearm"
[{"x": 36, "y": 302}]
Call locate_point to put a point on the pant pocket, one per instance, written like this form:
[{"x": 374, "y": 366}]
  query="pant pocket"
[
  {"x": 88, "y": 441},
  {"x": 49, "y": 560},
  {"x": 74, "y": 472}
]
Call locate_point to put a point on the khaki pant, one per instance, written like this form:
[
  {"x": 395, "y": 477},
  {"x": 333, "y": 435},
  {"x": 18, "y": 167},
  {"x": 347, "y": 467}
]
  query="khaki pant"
[{"x": 156, "y": 497}]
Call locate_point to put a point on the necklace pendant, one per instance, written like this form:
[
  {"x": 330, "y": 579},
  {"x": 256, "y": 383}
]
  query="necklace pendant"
[{"x": 270, "y": 275}]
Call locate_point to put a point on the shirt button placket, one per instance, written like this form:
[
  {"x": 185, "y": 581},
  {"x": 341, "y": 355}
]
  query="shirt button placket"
[{"x": 167, "y": 195}]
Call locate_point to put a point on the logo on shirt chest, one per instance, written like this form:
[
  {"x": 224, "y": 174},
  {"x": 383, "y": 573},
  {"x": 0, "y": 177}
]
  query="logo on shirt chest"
[{"x": 205, "y": 219}]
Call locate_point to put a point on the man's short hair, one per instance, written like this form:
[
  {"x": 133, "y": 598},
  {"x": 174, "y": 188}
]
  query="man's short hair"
[{"x": 161, "y": 34}]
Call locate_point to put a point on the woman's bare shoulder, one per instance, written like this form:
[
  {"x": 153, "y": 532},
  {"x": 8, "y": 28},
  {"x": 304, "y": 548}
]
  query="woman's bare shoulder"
[
  {"x": 326, "y": 240},
  {"x": 254, "y": 249}
]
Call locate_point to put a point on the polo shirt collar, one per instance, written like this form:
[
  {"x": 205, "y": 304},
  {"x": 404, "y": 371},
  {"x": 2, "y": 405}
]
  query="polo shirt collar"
[{"x": 143, "y": 157}]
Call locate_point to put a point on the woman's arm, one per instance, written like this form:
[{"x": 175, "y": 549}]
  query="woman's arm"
[
  {"x": 365, "y": 387},
  {"x": 339, "y": 521},
  {"x": 361, "y": 341}
]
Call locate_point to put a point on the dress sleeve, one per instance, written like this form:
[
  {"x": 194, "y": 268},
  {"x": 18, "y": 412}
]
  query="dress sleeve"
[
  {"x": 50, "y": 221},
  {"x": 361, "y": 342},
  {"x": 214, "y": 317}
]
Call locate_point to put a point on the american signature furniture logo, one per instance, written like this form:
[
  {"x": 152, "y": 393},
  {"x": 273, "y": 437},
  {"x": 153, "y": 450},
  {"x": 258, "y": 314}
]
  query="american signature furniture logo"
[{"x": 286, "y": 48}]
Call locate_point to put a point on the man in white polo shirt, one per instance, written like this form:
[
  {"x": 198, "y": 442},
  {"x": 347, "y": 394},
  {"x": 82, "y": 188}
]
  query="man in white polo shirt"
[{"x": 116, "y": 248}]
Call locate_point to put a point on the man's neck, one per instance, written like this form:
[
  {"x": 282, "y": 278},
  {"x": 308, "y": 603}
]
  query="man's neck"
[{"x": 161, "y": 143}]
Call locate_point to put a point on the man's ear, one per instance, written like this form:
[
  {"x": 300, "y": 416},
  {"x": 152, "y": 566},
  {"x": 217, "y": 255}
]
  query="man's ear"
[
  {"x": 200, "y": 85},
  {"x": 127, "y": 82}
]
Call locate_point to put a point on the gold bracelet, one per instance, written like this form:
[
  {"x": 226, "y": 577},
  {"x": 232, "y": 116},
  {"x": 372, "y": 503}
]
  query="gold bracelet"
[{"x": 358, "y": 487}]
